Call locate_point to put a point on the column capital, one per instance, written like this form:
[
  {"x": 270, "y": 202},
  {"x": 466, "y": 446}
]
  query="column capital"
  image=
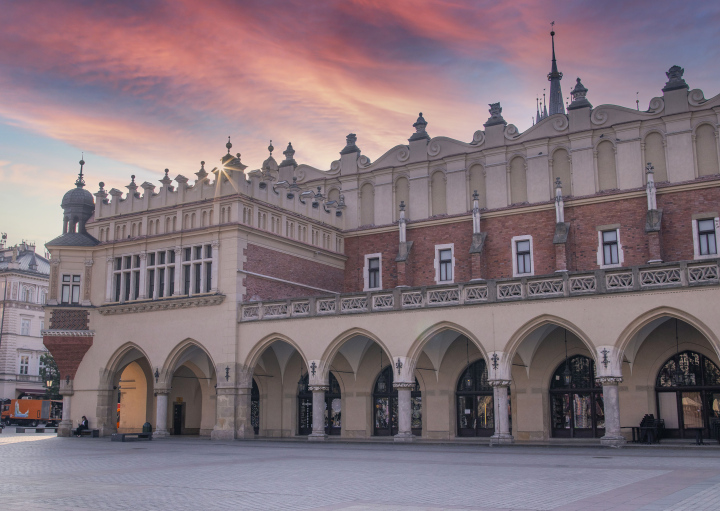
[
  {"x": 609, "y": 380},
  {"x": 318, "y": 388},
  {"x": 143, "y": 255},
  {"x": 89, "y": 262},
  {"x": 500, "y": 383},
  {"x": 110, "y": 259},
  {"x": 215, "y": 243}
]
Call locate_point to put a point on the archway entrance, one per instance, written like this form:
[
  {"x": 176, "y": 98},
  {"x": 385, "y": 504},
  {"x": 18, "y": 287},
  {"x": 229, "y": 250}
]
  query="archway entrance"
[
  {"x": 134, "y": 397},
  {"x": 576, "y": 400},
  {"x": 191, "y": 409},
  {"x": 385, "y": 406},
  {"x": 333, "y": 407},
  {"x": 475, "y": 406},
  {"x": 688, "y": 394}
]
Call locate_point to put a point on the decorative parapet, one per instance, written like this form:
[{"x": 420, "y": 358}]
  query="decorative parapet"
[
  {"x": 599, "y": 282},
  {"x": 67, "y": 333},
  {"x": 161, "y": 304}
]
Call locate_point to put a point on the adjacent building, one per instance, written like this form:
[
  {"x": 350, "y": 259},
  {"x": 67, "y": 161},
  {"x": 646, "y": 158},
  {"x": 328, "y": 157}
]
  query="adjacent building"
[
  {"x": 24, "y": 279},
  {"x": 559, "y": 282}
]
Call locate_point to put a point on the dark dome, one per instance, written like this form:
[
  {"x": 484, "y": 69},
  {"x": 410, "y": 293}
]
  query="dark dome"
[{"x": 78, "y": 197}]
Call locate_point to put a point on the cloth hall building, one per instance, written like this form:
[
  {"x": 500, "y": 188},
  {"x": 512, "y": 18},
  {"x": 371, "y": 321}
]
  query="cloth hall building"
[{"x": 560, "y": 282}]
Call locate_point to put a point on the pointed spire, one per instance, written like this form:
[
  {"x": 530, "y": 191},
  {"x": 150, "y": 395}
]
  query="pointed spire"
[
  {"x": 554, "y": 77},
  {"x": 80, "y": 182}
]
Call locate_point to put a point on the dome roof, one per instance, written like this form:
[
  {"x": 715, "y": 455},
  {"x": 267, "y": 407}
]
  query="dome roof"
[{"x": 77, "y": 197}]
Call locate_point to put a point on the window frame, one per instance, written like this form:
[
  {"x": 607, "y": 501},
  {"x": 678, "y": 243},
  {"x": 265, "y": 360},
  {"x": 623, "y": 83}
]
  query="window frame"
[
  {"x": 24, "y": 368},
  {"x": 601, "y": 229},
  {"x": 366, "y": 272},
  {"x": 25, "y": 325},
  {"x": 697, "y": 234},
  {"x": 608, "y": 247},
  {"x": 72, "y": 286},
  {"x": 438, "y": 249},
  {"x": 514, "y": 248}
]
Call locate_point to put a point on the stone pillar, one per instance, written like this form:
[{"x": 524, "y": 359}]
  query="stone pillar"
[
  {"x": 502, "y": 424},
  {"x": 611, "y": 399},
  {"x": 318, "y": 428},
  {"x": 243, "y": 420},
  {"x": 109, "y": 282},
  {"x": 178, "y": 274},
  {"x": 161, "y": 413},
  {"x": 142, "y": 295},
  {"x": 224, "y": 414},
  {"x": 66, "y": 424},
  {"x": 215, "y": 266},
  {"x": 404, "y": 412}
]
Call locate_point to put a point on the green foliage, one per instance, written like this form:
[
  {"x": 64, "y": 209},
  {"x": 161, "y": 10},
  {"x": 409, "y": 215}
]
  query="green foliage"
[{"x": 50, "y": 373}]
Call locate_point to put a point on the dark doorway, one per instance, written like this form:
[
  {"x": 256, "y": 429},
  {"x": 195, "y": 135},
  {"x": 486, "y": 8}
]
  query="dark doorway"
[
  {"x": 255, "y": 408},
  {"x": 385, "y": 406},
  {"x": 178, "y": 418},
  {"x": 475, "y": 404},
  {"x": 333, "y": 407},
  {"x": 577, "y": 409}
]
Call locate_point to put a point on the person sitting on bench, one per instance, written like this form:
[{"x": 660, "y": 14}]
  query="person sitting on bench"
[{"x": 82, "y": 427}]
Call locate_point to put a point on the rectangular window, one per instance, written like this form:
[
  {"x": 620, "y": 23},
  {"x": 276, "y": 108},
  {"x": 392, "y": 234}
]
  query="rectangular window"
[
  {"x": 186, "y": 279},
  {"x": 118, "y": 263},
  {"x": 24, "y": 364},
  {"x": 151, "y": 284},
  {"x": 188, "y": 254},
  {"x": 65, "y": 298},
  {"x": 172, "y": 256},
  {"x": 152, "y": 259},
  {"x": 162, "y": 257},
  {"x": 198, "y": 276},
  {"x": 25, "y": 327},
  {"x": 445, "y": 257},
  {"x": 198, "y": 252},
  {"x": 127, "y": 262},
  {"x": 523, "y": 257},
  {"x": 136, "y": 261},
  {"x": 42, "y": 326},
  {"x": 208, "y": 251},
  {"x": 610, "y": 247},
  {"x": 136, "y": 294},
  {"x": 118, "y": 278},
  {"x": 126, "y": 295},
  {"x": 706, "y": 237},
  {"x": 208, "y": 277},
  {"x": 374, "y": 273},
  {"x": 161, "y": 282},
  {"x": 171, "y": 278}
]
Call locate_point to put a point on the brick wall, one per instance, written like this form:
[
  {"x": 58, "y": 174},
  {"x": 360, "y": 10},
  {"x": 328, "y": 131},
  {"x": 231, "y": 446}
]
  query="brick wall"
[
  {"x": 68, "y": 352},
  {"x": 69, "y": 319},
  {"x": 581, "y": 247},
  {"x": 287, "y": 267}
]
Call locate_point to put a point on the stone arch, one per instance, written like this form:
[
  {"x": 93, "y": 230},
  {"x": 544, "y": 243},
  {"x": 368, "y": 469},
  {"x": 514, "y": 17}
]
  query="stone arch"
[
  {"x": 706, "y": 149},
  {"x": 606, "y": 165},
  {"x": 367, "y": 204},
  {"x": 175, "y": 356},
  {"x": 334, "y": 347},
  {"x": 115, "y": 362},
  {"x": 533, "y": 326},
  {"x": 562, "y": 168},
  {"x": 402, "y": 194},
  {"x": 654, "y": 141},
  {"x": 651, "y": 319},
  {"x": 438, "y": 192},
  {"x": 518, "y": 179},
  {"x": 476, "y": 180},
  {"x": 256, "y": 352},
  {"x": 413, "y": 354}
]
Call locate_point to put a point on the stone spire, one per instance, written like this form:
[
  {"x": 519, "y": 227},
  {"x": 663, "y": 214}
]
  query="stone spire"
[{"x": 554, "y": 77}]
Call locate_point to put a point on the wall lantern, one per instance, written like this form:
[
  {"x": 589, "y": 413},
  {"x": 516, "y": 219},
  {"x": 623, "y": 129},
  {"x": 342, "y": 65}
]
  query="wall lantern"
[{"x": 157, "y": 375}]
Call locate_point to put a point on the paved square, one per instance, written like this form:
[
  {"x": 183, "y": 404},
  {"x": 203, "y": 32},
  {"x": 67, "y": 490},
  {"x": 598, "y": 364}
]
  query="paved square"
[{"x": 41, "y": 471}]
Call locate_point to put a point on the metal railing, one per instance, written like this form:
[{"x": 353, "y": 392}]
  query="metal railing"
[{"x": 558, "y": 285}]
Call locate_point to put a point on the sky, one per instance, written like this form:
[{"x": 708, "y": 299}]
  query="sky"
[{"x": 142, "y": 85}]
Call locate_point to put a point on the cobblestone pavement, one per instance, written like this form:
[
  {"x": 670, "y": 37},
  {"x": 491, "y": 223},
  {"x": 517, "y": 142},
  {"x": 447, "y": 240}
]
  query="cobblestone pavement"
[{"x": 41, "y": 471}]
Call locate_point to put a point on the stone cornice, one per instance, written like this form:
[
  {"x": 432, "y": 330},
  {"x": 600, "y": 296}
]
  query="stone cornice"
[
  {"x": 67, "y": 333},
  {"x": 161, "y": 305}
]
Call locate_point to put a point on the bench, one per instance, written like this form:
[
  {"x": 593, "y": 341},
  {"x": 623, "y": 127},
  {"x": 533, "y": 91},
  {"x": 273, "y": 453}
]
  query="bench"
[
  {"x": 130, "y": 437},
  {"x": 649, "y": 431},
  {"x": 92, "y": 433},
  {"x": 20, "y": 430},
  {"x": 44, "y": 430}
]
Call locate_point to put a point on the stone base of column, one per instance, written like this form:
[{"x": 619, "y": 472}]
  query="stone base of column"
[
  {"x": 222, "y": 434},
  {"x": 64, "y": 429},
  {"x": 404, "y": 437},
  {"x": 317, "y": 437},
  {"x": 613, "y": 441},
  {"x": 502, "y": 439},
  {"x": 161, "y": 433}
]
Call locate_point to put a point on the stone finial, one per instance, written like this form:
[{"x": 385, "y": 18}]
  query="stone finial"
[
  {"x": 578, "y": 97},
  {"x": 675, "y": 79},
  {"x": 350, "y": 146},
  {"x": 202, "y": 173},
  {"x": 228, "y": 145},
  {"x": 420, "y": 133},
  {"x": 495, "y": 115},
  {"x": 166, "y": 181},
  {"x": 80, "y": 182},
  {"x": 102, "y": 187},
  {"x": 289, "y": 156}
]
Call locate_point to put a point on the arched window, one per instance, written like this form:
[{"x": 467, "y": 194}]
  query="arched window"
[
  {"x": 518, "y": 181},
  {"x": 367, "y": 204},
  {"x": 576, "y": 407},
  {"x": 706, "y": 149},
  {"x": 475, "y": 408},
  {"x": 402, "y": 194},
  {"x": 689, "y": 398},
  {"x": 255, "y": 407},
  {"x": 562, "y": 168},
  {"x": 385, "y": 406},
  {"x": 655, "y": 154},
  {"x": 607, "y": 174},
  {"x": 477, "y": 182},
  {"x": 333, "y": 408},
  {"x": 439, "y": 200}
]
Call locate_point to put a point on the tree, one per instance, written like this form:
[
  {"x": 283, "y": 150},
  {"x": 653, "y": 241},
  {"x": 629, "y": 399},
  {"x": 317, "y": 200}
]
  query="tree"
[{"x": 49, "y": 372}]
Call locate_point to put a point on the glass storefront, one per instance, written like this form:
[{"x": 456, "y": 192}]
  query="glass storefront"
[
  {"x": 333, "y": 408},
  {"x": 577, "y": 409},
  {"x": 385, "y": 406}
]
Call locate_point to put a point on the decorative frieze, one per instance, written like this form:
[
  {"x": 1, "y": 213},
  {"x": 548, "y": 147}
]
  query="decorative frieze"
[{"x": 161, "y": 305}]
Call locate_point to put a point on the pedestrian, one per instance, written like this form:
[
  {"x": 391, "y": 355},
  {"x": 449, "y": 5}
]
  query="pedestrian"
[{"x": 83, "y": 426}]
